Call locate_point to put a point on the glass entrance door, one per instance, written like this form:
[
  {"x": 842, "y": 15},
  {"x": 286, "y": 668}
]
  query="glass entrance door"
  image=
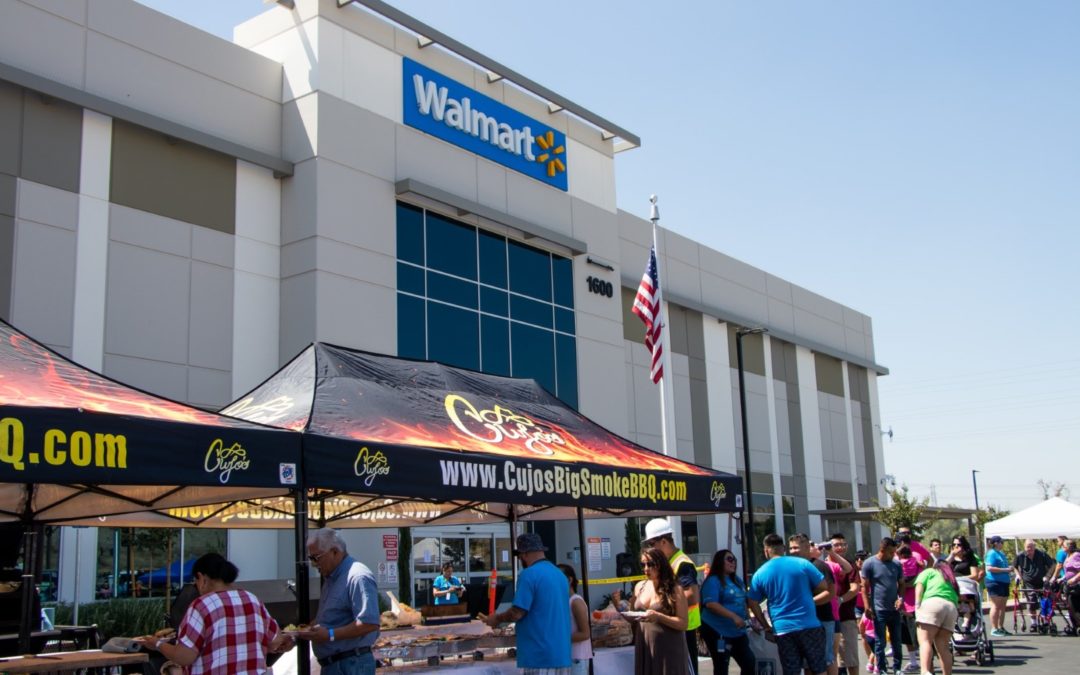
[{"x": 429, "y": 554}]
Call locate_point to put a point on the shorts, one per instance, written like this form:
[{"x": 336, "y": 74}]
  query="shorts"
[
  {"x": 802, "y": 645},
  {"x": 848, "y": 641},
  {"x": 830, "y": 641},
  {"x": 997, "y": 589},
  {"x": 937, "y": 612}
]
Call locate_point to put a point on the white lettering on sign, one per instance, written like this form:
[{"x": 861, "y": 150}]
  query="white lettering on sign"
[{"x": 435, "y": 102}]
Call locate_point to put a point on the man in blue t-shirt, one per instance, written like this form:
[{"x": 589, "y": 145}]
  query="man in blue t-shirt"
[
  {"x": 883, "y": 586},
  {"x": 791, "y": 586},
  {"x": 541, "y": 609}
]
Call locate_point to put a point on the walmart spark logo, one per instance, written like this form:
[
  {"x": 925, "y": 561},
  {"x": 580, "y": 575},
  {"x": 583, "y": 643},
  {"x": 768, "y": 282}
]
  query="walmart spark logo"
[
  {"x": 452, "y": 112},
  {"x": 554, "y": 163}
]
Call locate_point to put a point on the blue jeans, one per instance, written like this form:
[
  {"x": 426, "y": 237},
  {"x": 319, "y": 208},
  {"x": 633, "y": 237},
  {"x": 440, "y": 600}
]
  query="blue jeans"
[
  {"x": 357, "y": 665},
  {"x": 887, "y": 619}
]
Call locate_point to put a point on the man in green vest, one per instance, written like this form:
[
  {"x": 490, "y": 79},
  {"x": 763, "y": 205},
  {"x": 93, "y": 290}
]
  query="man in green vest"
[{"x": 658, "y": 534}]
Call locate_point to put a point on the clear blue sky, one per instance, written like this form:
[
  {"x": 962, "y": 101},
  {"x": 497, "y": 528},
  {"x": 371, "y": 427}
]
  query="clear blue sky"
[{"x": 919, "y": 162}]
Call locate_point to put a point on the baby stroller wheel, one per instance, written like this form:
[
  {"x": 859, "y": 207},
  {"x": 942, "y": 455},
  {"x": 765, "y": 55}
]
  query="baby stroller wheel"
[
  {"x": 1044, "y": 629},
  {"x": 1053, "y": 629},
  {"x": 990, "y": 651},
  {"x": 980, "y": 657}
]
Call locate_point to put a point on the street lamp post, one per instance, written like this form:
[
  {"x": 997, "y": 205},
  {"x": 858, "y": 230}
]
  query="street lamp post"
[
  {"x": 749, "y": 556},
  {"x": 975, "y": 486}
]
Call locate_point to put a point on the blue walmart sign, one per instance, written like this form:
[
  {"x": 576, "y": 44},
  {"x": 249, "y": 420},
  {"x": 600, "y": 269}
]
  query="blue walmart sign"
[{"x": 449, "y": 110}]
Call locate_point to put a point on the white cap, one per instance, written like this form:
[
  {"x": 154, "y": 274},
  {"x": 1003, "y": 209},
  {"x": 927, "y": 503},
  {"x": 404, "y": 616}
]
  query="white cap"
[{"x": 657, "y": 527}]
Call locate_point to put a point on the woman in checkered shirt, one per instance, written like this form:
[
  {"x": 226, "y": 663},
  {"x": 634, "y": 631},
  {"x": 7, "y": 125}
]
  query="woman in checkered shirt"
[{"x": 225, "y": 631}]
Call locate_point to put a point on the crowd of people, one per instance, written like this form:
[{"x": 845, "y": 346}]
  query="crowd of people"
[{"x": 822, "y": 607}]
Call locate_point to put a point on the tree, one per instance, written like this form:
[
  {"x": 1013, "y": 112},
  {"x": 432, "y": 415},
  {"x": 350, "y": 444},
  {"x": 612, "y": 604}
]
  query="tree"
[
  {"x": 984, "y": 516},
  {"x": 404, "y": 565},
  {"x": 904, "y": 511},
  {"x": 1053, "y": 489},
  {"x": 633, "y": 541}
]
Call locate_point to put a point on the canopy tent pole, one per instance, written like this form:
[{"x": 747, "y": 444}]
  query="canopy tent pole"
[
  {"x": 584, "y": 555},
  {"x": 513, "y": 543},
  {"x": 30, "y": 565},
  {"x": 303, "y": 584}
]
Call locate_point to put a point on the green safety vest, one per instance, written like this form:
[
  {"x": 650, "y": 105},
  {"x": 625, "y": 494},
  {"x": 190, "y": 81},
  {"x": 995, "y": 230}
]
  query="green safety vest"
[{"x": 693, "y": 613}]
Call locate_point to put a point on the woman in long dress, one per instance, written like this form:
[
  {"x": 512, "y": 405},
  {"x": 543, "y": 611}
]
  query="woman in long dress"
[{"x": 660, "y": 643}]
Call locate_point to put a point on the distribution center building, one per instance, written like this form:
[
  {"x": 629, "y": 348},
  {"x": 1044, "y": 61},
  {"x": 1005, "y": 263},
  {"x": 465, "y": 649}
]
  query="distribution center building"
[{"x": 186, "y": 214}]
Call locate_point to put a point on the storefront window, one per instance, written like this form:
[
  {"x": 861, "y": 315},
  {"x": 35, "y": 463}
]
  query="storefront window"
[{"x": 477, "y": 300}]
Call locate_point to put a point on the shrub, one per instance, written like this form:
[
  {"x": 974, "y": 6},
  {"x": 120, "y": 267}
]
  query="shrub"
[{"x": 119, "y": 617}]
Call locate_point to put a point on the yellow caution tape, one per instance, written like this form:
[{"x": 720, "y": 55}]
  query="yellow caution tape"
[{"x": 623, "y": 580}]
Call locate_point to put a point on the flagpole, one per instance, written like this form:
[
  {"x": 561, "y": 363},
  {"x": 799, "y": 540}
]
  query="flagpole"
[
  {"x": 667, "y": 391},
  {"x": 668, "y": 433}
]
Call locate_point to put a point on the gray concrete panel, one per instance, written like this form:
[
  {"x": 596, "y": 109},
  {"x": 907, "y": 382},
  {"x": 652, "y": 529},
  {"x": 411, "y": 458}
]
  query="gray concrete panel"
[
  {"x": 816, "y": 304},
  {"x": 855, "y": 343},
  {"x": 184, "y": 44},
  {"x": 11, "y": 114},
  {"x": 531, "y": 200},
  {"x": 600, "y": 228},
  {"x": 43, "y": 43},
  {"x": 7, "y": 262},
  {"x": 211, "y": 246},
  {"x": 210, "y": 335},
  {"x": 356, "y": 208},
  {"x": 680, "y": 248},
  {"x": 180, "y": 180},
  {"x": 44, "y": 282},
  {"x": 52, "y": 142},
  {"x": 164, "y": 379},
  {"x": 682, "y": 279},
  {"x": 781, "y": 315},
  {"x": 357, "y": 263},
  {"x": 120, "y": 72},
  {"x": 47, "y": 205},
  {"x": 812, "y": 327},
  {"x": 299, "y": 127},
  {"x": 436, "y": 163},
  {"x": 299, "y": 257},
  {"x": 208, "y": 388},
  {"x": 147, "y": 304},
  {"x": 149, "y": 230},
  {"x": 298, "y": 204},
  {"x": 72, "y": 10},
  {"x": 298, "y": 312},
  {"x": 778, "y": 288},
  {"x": 491, "y": 184},
  {"x": 720, "y": 292},
  {"x": 733, "y": 270},
  {"x": 7, "y": 194},
  {"x": 362, "y": 139},
  {"x": 346, "y": 308}
]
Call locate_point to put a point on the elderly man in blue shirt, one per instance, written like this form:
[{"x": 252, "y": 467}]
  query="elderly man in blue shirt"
[{"x": 347, "y": 624}]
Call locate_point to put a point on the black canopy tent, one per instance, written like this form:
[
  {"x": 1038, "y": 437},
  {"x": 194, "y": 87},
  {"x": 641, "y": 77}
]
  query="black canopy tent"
[{"x": 76, "y": 446}]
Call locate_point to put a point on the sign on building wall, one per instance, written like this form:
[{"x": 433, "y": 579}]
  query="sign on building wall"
[{"x": 447, "y": 109}]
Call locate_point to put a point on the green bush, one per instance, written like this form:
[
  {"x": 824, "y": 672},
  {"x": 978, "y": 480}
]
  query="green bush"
[{"x": 121, "y": 617}]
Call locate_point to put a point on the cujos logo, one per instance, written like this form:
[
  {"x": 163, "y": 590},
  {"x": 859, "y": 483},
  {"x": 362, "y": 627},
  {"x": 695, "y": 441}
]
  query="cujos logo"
[
  {"x": 457, "y": 114},
  {"x": 224, "y": 460},
  {"x": 717, "y": 493},
  {"x": 370, "y": 465}
]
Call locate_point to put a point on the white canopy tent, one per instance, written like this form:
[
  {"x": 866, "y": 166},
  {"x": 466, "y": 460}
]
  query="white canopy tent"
[{"x": 1047, "y": 520}]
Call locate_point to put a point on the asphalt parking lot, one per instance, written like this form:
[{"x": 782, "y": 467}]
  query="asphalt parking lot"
[{"x": 1021, "y": 654}]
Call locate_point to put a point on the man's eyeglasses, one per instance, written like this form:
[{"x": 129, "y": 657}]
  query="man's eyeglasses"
[{"x": 315, "y": 558}]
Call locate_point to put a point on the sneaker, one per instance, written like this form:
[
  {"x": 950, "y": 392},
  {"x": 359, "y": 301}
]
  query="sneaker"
[
  {"x": 913, "y": 668},
  {"x": 870, "y": 668},
  {"x": 997, "y": 632}
]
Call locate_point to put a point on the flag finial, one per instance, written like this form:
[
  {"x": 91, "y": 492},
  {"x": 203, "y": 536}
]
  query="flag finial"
[{"x": 654, "y": 211}]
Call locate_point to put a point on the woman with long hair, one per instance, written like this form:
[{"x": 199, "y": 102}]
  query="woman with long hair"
[
  {"x": 580, "y": 628},
  {"x": 936, "y": 597},
  {"x": 724, "y": 621},
  {"x": 225, "y": 629},
  {"x": 660, "y": 643},
  {"x": 968, "y": 573}
]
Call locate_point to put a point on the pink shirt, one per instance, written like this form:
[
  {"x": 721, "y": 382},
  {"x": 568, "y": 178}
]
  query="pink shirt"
[
  {"x": 911, "y": 568},
  {"x": 838, "y": 578},
  {"x": 868, "y": 627}
]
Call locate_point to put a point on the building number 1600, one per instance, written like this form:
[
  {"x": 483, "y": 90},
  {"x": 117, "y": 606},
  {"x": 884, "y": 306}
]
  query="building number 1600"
[{"x": 600, "y": 287}]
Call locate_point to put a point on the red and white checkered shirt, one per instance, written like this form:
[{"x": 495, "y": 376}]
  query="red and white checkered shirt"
[{"x": 231, "y": 631}]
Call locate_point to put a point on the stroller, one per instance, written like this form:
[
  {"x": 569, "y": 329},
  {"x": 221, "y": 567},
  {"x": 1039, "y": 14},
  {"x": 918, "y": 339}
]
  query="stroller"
[
  {"x": 970, "y": 635},
  {"x": 1040, "y": 603},
  {"x": 1058, "y": 601}
]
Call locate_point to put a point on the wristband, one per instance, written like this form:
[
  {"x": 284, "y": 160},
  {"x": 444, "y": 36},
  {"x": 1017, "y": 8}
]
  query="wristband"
[
  {"x": 157, "y": 645},
  {"x": 331, "y": 635}
]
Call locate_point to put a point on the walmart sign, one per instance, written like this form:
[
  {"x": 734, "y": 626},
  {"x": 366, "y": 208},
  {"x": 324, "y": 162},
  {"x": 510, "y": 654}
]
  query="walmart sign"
[{"x": 449, "y": 110}]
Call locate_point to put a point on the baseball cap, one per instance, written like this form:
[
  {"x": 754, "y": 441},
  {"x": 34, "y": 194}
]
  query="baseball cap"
[{"x": 996, "y": 539}]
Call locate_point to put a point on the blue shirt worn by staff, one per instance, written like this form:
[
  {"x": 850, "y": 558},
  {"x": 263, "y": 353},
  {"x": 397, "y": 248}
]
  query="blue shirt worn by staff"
[
  {"x": 442, "y": 584},
  {"x": 731, "y": 596},
  {"x": 995, "y": 558},
  {"x": 788, "y": 583},
  {"x": 543, "y": 635},
  {"x": 349, "y": 594}
]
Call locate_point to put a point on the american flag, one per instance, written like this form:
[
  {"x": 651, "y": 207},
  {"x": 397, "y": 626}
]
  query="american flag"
[{"x": 647, "y": 307}]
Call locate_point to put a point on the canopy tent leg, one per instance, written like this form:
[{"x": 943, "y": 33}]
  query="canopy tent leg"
[
  {"x": 584, "y": 566},
  {"x": 28, "y": 589},
  {"x": 512, "y": 518},
  {"x": 303, "y": 592}
]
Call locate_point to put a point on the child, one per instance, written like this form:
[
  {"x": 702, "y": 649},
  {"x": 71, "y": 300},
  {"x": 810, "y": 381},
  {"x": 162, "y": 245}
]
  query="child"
[{"x": 866, "y": 630}]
